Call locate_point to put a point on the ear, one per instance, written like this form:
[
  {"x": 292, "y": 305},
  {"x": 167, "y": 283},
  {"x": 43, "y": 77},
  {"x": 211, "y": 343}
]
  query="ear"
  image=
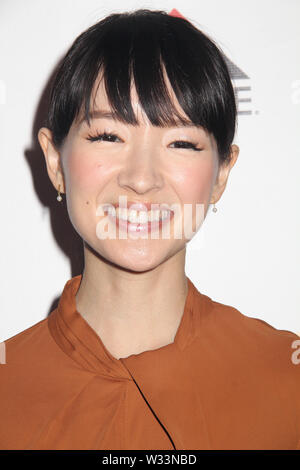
[
  {"x": 52, "y": 158},
  {"x": 223, "y": 174}
]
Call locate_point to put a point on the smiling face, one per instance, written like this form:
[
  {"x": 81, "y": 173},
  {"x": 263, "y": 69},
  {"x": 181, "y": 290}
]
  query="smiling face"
[{"x": 163, "y": 165}]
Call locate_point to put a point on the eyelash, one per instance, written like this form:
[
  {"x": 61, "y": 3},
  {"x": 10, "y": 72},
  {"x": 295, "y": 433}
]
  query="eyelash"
[{"x": 100, "y": 137}]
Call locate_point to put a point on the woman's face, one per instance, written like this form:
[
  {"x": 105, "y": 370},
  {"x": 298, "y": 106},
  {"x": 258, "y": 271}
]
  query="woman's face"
[{"x": 145, "y": 164}]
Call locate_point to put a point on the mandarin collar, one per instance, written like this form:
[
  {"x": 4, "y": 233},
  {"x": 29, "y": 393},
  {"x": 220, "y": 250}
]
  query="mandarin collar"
[{"x": 79, "y": 340}]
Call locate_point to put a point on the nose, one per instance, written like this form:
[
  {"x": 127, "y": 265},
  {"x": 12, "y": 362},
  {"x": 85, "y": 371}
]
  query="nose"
[{"x": 141, "y": 173}]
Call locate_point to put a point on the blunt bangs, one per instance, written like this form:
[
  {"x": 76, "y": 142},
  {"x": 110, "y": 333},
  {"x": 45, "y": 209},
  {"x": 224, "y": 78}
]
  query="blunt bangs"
[{"x": 139, "y": 47}]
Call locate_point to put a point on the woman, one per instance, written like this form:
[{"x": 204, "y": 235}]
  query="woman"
[{"x": 142, "y": 116}]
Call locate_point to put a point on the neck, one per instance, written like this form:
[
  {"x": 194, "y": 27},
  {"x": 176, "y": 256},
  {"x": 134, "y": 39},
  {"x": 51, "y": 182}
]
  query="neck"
[{"x": 131, "y": 311}]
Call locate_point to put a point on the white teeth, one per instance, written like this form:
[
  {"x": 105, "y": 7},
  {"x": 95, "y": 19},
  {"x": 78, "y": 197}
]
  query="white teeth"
[
  {"x": 154, "y": 215},
  {"x": 141, "y": 217},
  {"x": 165, "y": 214},
  {"x": 111, "y": 210},
  {"x": 121, "y": 213},
  {"x": 132, "y": 216}
]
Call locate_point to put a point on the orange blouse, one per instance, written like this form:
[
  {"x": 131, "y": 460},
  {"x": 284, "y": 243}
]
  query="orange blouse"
[{"x": 227, "y": 381}]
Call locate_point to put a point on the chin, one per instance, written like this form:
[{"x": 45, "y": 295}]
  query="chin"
[
  {"x": 137, "y": 259},
  {"x": 134, "y": 255}
]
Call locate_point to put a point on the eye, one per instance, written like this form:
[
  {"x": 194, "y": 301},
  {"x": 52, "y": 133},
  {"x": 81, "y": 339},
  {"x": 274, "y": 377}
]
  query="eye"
[
  {"x": 106, "y": 137},
  {"x": 183, "y": 144}
]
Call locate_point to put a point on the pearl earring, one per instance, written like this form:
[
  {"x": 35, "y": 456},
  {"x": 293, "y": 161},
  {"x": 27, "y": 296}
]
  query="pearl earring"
[
  {"x": 214, "y": 208},
  {"x": 59, "y": 198}
]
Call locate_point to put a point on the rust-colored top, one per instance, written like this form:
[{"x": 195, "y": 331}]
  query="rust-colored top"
[{"x": 227, "y": 381}]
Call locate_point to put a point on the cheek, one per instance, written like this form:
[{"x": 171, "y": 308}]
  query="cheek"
[
  {"x": 83, "y": 172},
  {"x": 194, "y": 189},
  {"x": 84, "y": 181},
  {"x": 194, "y": 184}
]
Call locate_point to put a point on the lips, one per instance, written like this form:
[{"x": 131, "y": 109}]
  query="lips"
[
  {"x": 143, "y": 206},
  {"x": 126, "y": 223},
  {"x": 141, "y": 227}
]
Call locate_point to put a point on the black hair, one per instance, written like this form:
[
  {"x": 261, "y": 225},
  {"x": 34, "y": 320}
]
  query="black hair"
[{"x": 139, "y": 46}]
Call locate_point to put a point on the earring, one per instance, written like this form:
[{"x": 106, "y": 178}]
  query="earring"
[
  {"x": 59, "y": 198},
  {"x": 214, "y": 208}
]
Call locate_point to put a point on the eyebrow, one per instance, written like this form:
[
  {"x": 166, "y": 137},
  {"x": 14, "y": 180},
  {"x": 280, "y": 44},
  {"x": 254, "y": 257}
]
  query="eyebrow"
[{"x": 103, "y": 114}]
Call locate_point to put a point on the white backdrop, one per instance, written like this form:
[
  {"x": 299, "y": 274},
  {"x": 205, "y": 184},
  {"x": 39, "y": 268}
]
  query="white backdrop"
[{"x": 247, "y": 254}]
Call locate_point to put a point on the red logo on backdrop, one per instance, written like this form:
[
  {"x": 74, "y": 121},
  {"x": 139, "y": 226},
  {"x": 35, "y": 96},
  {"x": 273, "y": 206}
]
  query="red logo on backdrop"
[{"x": 175, "y": 12}]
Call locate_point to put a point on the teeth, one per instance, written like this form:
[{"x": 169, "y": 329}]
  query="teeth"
[
  {"x": 154, "y": 216},
  {"x": 165, "y": 214},
  {"x": 141, "y": 217},
  {"x": 132, "y": 216},
  {"x": 121, "y": 213},
  {"x": 110, "y": 210}
]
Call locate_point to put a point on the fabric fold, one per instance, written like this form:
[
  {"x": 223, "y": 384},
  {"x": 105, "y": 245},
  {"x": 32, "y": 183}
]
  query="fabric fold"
[{"x": 227, "y": 381}]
